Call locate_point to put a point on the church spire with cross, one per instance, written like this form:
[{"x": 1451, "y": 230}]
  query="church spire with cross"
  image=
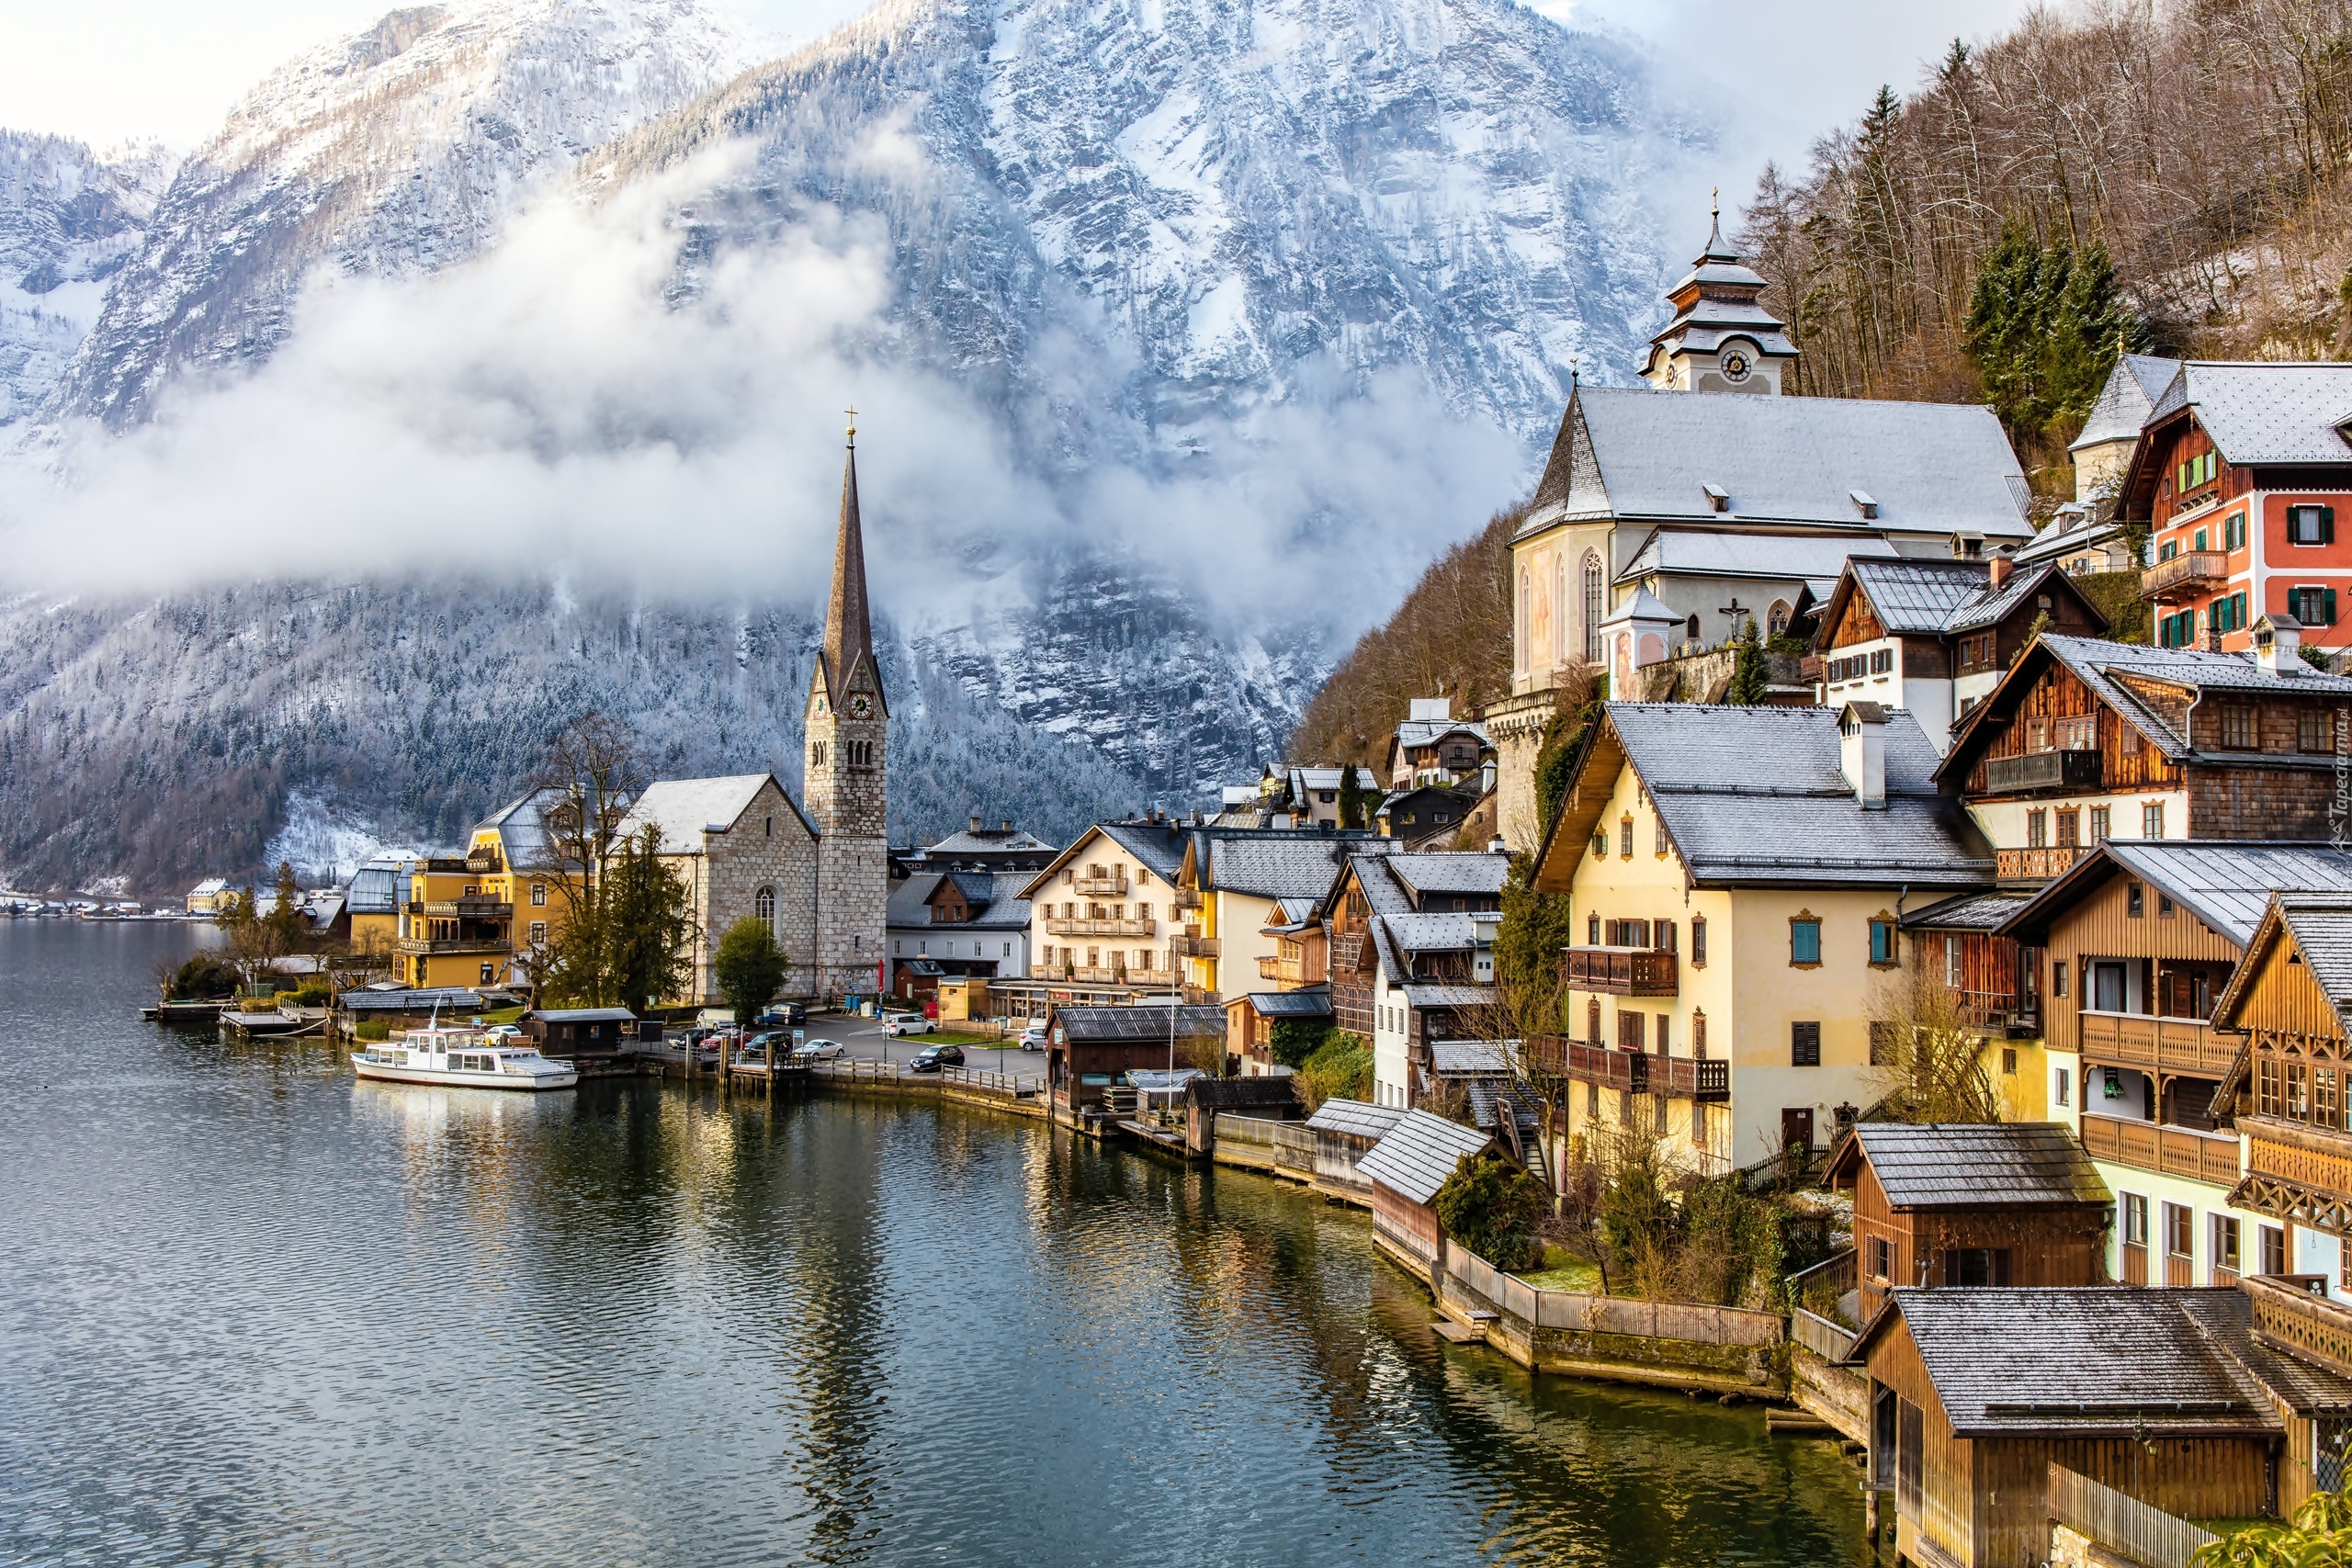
[
  {"x": 1721, "y": 338},
  {"x": 849, "y": 631}
]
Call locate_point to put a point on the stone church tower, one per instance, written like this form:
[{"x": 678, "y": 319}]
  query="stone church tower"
[{"x": 847, "y": 770}]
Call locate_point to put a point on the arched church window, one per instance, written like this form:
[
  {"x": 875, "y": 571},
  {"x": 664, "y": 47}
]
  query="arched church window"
[
  {"x": 1562, "y": 638},
  {"x": 764, "y": 907},
  {"x": 1592, "y": 592},
  {"x": 1776, "y": 619},
  {"x": 1520, "y": 624}
]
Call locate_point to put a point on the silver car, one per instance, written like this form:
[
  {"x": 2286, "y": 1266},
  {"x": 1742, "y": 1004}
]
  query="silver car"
[{"x": 817, "y": 1051}]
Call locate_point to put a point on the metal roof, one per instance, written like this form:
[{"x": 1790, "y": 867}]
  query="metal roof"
[
  {"x": 1355, "y": 1118},
  {"x": 2005, "y": 1164},
  {"x": 1969, "y": 912},
  {"x": 2104, "y": 1359},
  {"x": 2228, "y": 885},
  {"x": 1414, "y": 1158},
  {"x": 448, "y": 998},
  {"x": 1457, "y": 1058},
  {"x": 1433, "y": 933},
  {"x": 1798, "y": 821},
  {"x": 1704, "y": 552},
  {"x": 2265, "y": 412},
  {"x": 1919, "y": 595},
  {"x": 2322, "y": 924},
  {"x": 1315, "y": 1001},
  {"x": 1283, "y": 865},
  {"x": 376, "y": 887},
  {"x": 1089, "y": 1023},
  {"x": 1931, "y": 468},
  {"x": 585, "y": 1015},
  {"x": 1415, "y": 732},
  {"x": 1451, "y": 872},
  {"x": 989, "y": 841},
  {"x": 1422, "y": 998}
]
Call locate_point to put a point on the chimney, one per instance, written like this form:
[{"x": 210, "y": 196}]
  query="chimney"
[
  {"x": 2212, "y": 643},
  {"x": 1008, "y": 824},
  {"x": 1495, "y": 846},
  {"x": 2004, "y": 563},
  {"x": 2278, "y": 642},
  {"x": 976, "y": 823},
  {"x": 1862, "y": 752},
  {"x": 1429, "y": 710}
]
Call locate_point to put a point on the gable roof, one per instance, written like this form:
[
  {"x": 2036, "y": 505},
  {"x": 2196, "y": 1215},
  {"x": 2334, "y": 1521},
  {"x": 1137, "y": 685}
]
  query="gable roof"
[
  {"x": 1969, "y": 912},
  {"x": 989, "y": 841},
  {"x": 1355, "y": 1118},
  {"x": 522, "y": 828},
  {"x": 2320, "y": 924},
  {"x": 1416, "y": 1155},
  {"x": 1951, "y": 1166},
  {"x": 1639, "y": 453},
  {"x": 1800, "y": 826},
  {"x": 1312, "y": 1002},
  {"x": 2264, "y": 411},
  {"x": 1158, "y": 845},
  {"x": 1458, "y": 1058},
  {"x": 1463, "y": 871},
  {"x": 376, "y": 888},
  {"x": 1945, "y": 598},
  {"x": 2102, "y": 667},
  {"x": 1276, "y": 864},
  {"x": 2012, "y": 1362},
  {"x": 1713, "y": 552},
  {"x": 1432, "y": 933},
  {"x": 684, "y": 809},
  {"x": 1416, "y": 732},
  {"x": 2126, "y": 400},
  {"x": 2227, "y": 883},
  {"x": 1089, "y": 1024}
]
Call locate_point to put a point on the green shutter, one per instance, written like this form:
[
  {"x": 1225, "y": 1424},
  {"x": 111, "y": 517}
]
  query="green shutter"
[
  {"x": 2327, "y": 526},
  {"x": 2327, "y": 608}
]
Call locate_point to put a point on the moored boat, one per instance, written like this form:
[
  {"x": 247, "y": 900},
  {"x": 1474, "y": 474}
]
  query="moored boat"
[{"x": 462, "y": 1058}]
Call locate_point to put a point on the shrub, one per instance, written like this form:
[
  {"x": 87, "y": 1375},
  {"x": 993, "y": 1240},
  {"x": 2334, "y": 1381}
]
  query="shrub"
[
  {"x": 372, "y": 1029},
  {"x": 1339, "y": 1070},
  {"x": 204, "y": 976},
  {"x": 314, "y": 994},
  {"x": 1296, "y": 1040},
  {"x": 1492, "y": 1207}
]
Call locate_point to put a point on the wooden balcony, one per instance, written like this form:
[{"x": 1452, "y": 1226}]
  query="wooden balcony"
[
  {"x": 418, "y": 946},
  {"x": 1288, "y": 973},
  {"x": 2190, "y": 573},
  {"x": 1187, "y": 897},
  {"x": 1101, "y": 928},
  {"x": 1676, "y": 1077},
  {"x": 1085, "y": 977},
  {"x": 2210, "y": 1157},
  {"x": 1190, "y": 946},
  {"x": 1100, "y": 886},
  {"x": 2035, "y": 865},
  {"x": 2159, "y": 1044},
  {"x": 2044, "y": 771},
  {"x": 2297, "y": 1172},
  {"x": 1619, "y": 971},
  {"x": 477, "y": 909},
  {"x": 2289, "y": 1315}
]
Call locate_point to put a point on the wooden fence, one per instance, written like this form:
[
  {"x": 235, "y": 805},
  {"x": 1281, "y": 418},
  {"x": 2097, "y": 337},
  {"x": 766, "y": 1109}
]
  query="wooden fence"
[
  {"x": 1576, "y": 1310},
  {"x": 2121, "y": 1523},
  {"x": 1291, "y": 1144},
  {"x": 1830, "y": 1341},
  {"x": 852, "y": 1070}
]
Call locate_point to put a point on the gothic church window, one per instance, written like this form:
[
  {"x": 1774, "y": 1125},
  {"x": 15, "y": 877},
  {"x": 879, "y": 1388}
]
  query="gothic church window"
[
  {"x": 1592, "y": 593},
  {"x": 764, "y": 907}
]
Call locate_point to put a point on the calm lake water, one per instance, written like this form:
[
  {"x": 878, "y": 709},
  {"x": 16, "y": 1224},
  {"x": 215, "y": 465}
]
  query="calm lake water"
[{"x": 252, "y": 1311}]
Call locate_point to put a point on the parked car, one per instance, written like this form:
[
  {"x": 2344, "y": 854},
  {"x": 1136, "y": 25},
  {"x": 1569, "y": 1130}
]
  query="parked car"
[
  {"x": 785, "y": 1013},
  {"x": 817, "y": 1051},
  {"x": 931, "y": 1058},
  {"x": 757, "y": 1047},
  {"x": 907, "y": 1024},
  {"x": 499, "y": 1033},
  {"x": 1034, "y": 1039}
]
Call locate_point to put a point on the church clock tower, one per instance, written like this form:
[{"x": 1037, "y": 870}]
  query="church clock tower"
[
  {"x": 1722, "y": 339},
  {"x": 846, "y": 769}
]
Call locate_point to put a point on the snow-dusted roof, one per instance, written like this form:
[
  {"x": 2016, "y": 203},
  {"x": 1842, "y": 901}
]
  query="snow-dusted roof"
[
  {"x": 2265, "y": 412},
  {"x": 1702, "y": 552},
  {"x": 1415, "y": 1156},
  {"x": 683, "y": 808},
  {"x": 2122, "y": 406},
  {"x": 1643, "y": 606},
  {"x": 1929, "y": 467}
]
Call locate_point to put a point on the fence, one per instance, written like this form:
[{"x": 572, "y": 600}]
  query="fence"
[
  {"x": 2121, "y": 1523},
  {"x": 1575, "y": 1310},
  {"x": 1830, "y": 1341},
  {"x": 1019, "y": 1086},
  {"x": 1291, "y": 1144}
]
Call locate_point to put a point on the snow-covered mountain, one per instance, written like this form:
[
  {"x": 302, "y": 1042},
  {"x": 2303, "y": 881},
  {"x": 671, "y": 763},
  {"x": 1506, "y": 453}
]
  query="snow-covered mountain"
[
  {"x": 70, "y": 219},
  {"x": 401, "y": 150},
  {"x": 1232, "y": 290}
]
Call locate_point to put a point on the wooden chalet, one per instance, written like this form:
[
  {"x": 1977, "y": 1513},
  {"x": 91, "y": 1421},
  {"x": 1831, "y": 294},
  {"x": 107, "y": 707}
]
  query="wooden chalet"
[
  {"x": 2084, "y": 741},
  {"x": 2174, "y": 1397},
  {"x": 573, "y": 1029},
  {"x": 2007, "y": 1203},
  {"x": 1088, "y": 1047},
  {"x": 1404, "y": 1169},
  {"x": 1932, "y": 637},
  {"x": 2288, "y": 1003},
  {"x": 2142, "y": 938}
]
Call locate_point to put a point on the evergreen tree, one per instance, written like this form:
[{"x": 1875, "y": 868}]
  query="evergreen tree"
[
  {"x": 2043, "y": 328},
  {"x": 287, "y": 928},
  {"x": 1749, "y": 671},
  {"x": 652, "y": 914},
  {"x": 1351, "y": 798},
  {"x": 748, "y": 966}
]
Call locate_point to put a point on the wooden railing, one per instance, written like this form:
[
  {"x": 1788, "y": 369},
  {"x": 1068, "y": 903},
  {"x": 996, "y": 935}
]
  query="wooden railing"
[
  {"x": 1290, "y": 1143},
  {"x": 1676, "y": 1077},
  {"x": 2294, "y": 1319},
  {"x": 2191, "y": 572},
  {"x": 1057, "y": 927},
  {"x": 1199, "y": 946},
  {"x": 2043, "y": 770},
  {"x": 2310, "y": 1157},
  {"x": 2121, "y": 1522},
  {"x": 477, "y": 945},
  {"x": 1830, "y": 1341},
  {"x": 1099, "y": 887},
  {"x": 2170, "y": 1150},
  {"x": 1619, "y": 971},
  {"x": 2169, "y": 1044},
  {"x": 1187, "y": 897},
  {"x": 2036, "y": 865}
]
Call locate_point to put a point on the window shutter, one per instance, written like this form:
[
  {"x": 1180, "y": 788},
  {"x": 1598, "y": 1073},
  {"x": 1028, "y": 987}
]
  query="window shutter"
[
  {"x": 2327, "y": 524},
  {"x": 2327, "y": 608}
]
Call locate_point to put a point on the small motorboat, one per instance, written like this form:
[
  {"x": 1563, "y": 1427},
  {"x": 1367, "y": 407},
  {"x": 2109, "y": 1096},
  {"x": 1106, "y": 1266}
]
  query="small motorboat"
[{"x": 463, "y": 1058}]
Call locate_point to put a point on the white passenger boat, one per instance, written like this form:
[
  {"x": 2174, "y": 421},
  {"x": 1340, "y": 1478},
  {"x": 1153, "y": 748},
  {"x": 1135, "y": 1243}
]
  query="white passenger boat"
[{"x": 463, "y": 1058}]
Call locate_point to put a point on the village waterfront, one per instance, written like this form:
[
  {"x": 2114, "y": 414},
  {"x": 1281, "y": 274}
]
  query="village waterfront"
[{"x": 252, "y": 1311}]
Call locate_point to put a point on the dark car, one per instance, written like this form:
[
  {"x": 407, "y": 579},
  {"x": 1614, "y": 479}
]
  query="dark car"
[
  {"x": 757, "y": 1047},
  {"x": 786, "y": 1014},
  {"x": 931, "y": 1058}
]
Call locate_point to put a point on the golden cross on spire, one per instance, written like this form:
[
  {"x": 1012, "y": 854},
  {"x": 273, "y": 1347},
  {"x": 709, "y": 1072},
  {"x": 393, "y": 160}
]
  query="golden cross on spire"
[
  {"x": 852, "y": 425},
  {"x": 1715, "y": 202}
]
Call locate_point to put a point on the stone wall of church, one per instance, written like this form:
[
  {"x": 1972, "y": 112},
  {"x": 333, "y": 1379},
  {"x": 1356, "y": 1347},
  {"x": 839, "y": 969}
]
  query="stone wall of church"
[
  {"x": 738, "y": 866},
  {"x": 1516, "y": 727},
  {"x": 854, "y": 889}
]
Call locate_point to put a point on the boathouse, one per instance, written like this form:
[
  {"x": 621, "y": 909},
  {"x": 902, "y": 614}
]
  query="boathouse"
[
  {"x": 1406, "y": 1168},
  {"x": 2007, "y": 1203},
  {"x": 1268, "y": 1099},
  {"x": 2163, "y": 1394},
  {"x": 1345, "y": 1131},
  {"x": 1088, "y": 1047},
  {"x": 578, "y": 1029}
]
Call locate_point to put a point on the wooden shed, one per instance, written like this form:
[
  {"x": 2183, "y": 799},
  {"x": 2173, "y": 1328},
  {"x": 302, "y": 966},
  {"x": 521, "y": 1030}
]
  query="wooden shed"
[
  {"x": 2013, "y": 1204},
  {"x": 1406, "y": 1168},
  {"x": 1273, "y": 1098},
  {"x": 2163, "y": 1394},
  {"x": 1088, "y": 1047},
  {"x": 1345, "y": 1131},
  {"x": 578, "y": 1028}
]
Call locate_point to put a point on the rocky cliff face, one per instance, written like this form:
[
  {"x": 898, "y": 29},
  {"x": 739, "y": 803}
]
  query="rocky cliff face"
[{"x": 1223, "y": 283}]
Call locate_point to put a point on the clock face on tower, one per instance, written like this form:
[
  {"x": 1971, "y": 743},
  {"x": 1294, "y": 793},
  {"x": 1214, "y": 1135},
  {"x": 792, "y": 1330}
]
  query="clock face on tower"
[
  {"x": 1736, "y": 365},
  {"x": 861, "y": 706}
]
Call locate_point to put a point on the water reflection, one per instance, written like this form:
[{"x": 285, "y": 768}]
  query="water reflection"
[{"x": 252, "y": 1310}]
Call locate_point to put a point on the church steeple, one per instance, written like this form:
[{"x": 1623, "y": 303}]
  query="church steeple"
[
  {"x": 849, "y": 634},
  {"x": 1722, "y": 339}
]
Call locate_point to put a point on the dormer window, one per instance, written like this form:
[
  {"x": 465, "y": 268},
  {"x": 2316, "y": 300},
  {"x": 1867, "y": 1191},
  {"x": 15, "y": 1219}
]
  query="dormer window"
[
  {"x": 1718, "y": 497},
  {"x": 1863, "y": 502}
]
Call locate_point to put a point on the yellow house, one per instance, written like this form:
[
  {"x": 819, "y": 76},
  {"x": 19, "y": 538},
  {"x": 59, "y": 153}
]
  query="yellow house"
[
  {"x": 1239, "y": 888},
  {"x": 466, "y": 919},
  {"x": 1737, "y": 877}
]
